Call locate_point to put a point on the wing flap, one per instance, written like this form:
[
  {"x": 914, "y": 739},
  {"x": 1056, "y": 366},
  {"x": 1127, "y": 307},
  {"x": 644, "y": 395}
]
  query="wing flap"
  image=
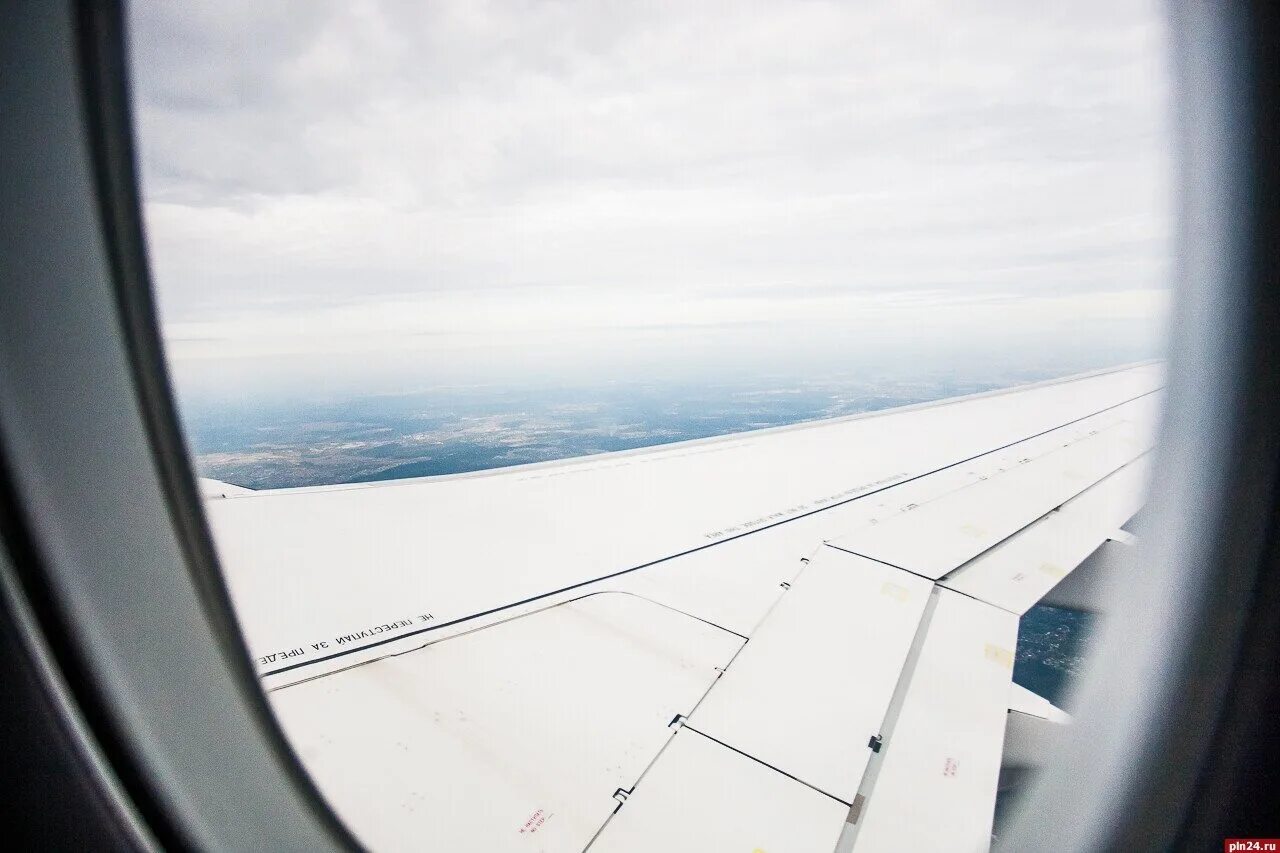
[
  {"x": 1025, "y": 701},
  {"x": 512, "y": 738},
  {"x": 966, "y": 522},
  {"x": 1024, "y": 568},
  {"x": 700, "y": 796},
  {"x": 933, "y": 784},
  {"x": 812, "y": 686}
]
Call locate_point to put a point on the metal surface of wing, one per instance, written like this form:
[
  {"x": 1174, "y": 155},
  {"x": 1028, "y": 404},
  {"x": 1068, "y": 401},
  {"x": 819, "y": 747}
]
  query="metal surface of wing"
[{"x": 793, "y": 639}]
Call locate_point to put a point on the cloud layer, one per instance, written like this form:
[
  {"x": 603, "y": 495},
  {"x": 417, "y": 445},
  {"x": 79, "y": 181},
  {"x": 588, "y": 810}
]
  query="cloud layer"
[{"x": 455, "y": 175}]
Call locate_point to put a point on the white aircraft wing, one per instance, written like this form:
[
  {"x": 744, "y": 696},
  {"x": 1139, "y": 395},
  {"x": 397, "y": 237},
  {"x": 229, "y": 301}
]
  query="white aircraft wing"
[{"x": 797, "y": 639}]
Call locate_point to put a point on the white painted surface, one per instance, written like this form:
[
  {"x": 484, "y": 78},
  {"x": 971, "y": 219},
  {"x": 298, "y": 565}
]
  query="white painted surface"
[
  {"x": 1089, "y": 586},
  {"x": 1021, "y": 570},
  {"x": 935, "y": 780},
  {"x": 735, "y": 583},
  {"x": 963, "y": 524},
  {"x": 732, "y": 584},
  {"x": 534, "y": 721},
  {"x": 380, "y": 561},
  {"x": 460, "y": 745},
  {"x": 1024, "y": 701},
  {"x": 813, "y": 684},
  {"x": 218, "y": 489},
  {"x": 1030, "y": 743},
  {"x": 700, "y": 797}
]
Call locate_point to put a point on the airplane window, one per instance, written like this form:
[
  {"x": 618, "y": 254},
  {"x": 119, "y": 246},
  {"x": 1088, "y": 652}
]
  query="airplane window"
[{"x": 689, "y": 426}]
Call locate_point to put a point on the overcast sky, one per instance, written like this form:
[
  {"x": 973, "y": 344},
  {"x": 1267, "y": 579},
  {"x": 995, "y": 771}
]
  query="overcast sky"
[{"x": 543, "y": 183}]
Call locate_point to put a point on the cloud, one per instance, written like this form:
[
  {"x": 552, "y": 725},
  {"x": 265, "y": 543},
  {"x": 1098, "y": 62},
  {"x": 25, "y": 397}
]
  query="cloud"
[{"x": 317, "y": 171}]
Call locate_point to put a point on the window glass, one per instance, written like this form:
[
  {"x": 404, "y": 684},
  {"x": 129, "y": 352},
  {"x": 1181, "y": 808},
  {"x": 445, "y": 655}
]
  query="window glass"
[{"x": 404, "y": 240}]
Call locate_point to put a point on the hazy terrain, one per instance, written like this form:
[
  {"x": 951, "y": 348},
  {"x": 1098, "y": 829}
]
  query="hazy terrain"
[{"x": 451, "y": 429}]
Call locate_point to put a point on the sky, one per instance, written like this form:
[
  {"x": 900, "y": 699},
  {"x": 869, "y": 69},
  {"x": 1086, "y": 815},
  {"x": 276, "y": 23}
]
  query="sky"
[{"x": 361, "y": 194}]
